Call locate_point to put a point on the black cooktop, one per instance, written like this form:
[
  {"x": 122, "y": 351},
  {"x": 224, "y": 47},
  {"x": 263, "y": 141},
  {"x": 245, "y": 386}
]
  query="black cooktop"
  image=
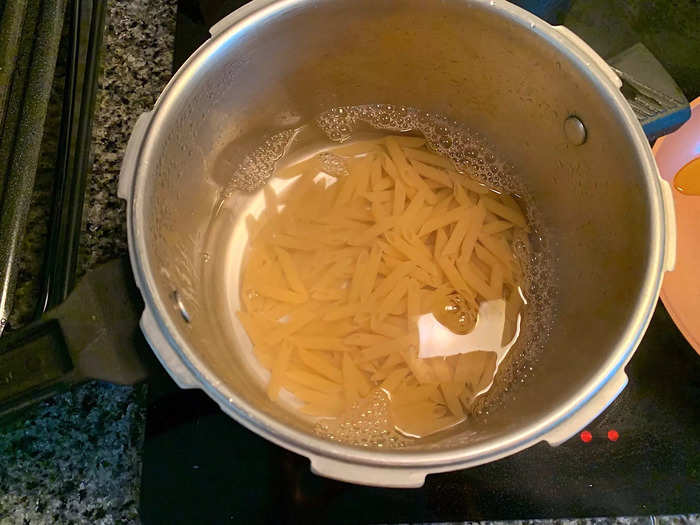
[{"x": 199, "y": 466}]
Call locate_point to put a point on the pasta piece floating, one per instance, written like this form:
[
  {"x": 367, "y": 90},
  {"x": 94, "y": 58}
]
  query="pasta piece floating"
[
  {"x": 508, "y": 213},
  {"x": 431, "y": 173},
  {"x": 279, "y": 369},
  {"x": 429, "y": 158},
  {"x": 443, "y": 219},
  {"x": 320, "y": 365},
  {"x": 394, "y": 379}
]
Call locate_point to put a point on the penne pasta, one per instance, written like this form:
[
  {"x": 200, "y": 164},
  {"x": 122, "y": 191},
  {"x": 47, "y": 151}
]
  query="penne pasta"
[{"x": 345, "y": 265}]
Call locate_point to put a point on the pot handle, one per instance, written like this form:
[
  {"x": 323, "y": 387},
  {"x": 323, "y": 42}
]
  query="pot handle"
[
  {"x": 652, "y": 132},
  {"x": 233, "y": 17},
  {"x": 128, "y": 168},
  {"x": 93, "y": 334},
  {"x": 165, "y": 353},
  {"x": 347, "y": 472},
  {"x": 661, "y": 109},
  {"x": 366, "y": 474},
  {"x": 149, "y": 327},
  {"x": 591, "y": 409},
  {"x": 670, "y": 220}
]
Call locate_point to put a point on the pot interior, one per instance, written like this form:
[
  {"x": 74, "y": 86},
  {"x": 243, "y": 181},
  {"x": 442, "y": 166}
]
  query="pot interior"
[{"x": 479, "y": 64}]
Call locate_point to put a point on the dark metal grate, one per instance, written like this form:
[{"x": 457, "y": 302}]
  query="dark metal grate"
[
  {"x": 29, "y": 41},
  {"x": 43, "y": 168},
  {"x": 30, "y": 35},
  {"x": 58, "y": 276}
]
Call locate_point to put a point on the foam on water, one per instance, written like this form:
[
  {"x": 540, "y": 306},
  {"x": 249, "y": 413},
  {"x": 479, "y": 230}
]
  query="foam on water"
[
  {"x": 366, "y": 425},
  {"x": 466, "y": 148},
  {"x": 257, "y": 167}
]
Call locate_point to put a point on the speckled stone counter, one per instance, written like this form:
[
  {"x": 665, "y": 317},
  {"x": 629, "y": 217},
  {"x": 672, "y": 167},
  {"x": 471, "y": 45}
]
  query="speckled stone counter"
[
  {"x": 136, "y": 65},
  {"x": 76, "y": 458}
]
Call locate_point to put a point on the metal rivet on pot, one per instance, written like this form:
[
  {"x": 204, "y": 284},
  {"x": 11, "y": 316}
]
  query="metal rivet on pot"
[
  {"x": 574, "y": 130},
  {"x": 181, "y": 307}
]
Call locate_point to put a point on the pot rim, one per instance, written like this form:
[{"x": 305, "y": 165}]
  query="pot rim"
[{"x": 256, "y": 13}]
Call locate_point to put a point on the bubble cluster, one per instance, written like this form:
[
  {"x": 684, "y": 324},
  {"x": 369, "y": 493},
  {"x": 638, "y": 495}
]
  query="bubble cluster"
[
  {"x": 469, "y": 152},
  {"x": 333, "y": 164},
  {"x": 257, "y": 167},
  {"x": 539, "y": 286},
  {"x": 366, "y": 425}
]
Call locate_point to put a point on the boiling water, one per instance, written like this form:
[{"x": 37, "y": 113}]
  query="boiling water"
[{"x": 369, "y": 423}]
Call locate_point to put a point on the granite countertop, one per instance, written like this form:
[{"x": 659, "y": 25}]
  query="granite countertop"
[{"x": 76, "y": 458}]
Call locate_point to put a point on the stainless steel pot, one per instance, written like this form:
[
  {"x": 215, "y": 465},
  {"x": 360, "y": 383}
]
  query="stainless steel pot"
[{"x": 274, "y": 64}]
